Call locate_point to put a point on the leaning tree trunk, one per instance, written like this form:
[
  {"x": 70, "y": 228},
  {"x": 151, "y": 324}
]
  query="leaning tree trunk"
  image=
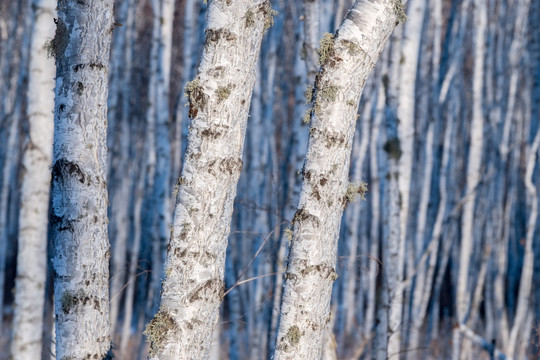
[
  {"x": 33, "y": 216},
  {"x": 79, "y": 186},
  {"x": 348, "y": 58},
  {"x": 219, "y": 102}
]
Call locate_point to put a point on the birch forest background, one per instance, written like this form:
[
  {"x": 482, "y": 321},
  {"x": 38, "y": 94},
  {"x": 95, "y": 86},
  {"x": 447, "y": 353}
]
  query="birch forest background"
[{"x": 438, "y": 254}]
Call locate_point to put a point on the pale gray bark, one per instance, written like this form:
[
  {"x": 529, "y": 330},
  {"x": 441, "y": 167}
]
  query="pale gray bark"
[
  {"x": 133, "y": 261},
  {"x": 392, "y": 244},
  {"x": 219, "y": 101},
  {"x": 375, "y": 185},
  {"x": 347, "y": 58},
  {"x": 36, "y": 177},
  {"x": 354, "y": 236},
  {"x": 189, "y": 48},
  {"x": 409, "y": 63},
  {"x": 464, "y": 287},
  {"x": 161, "y": 49},
  {"x": 119, "y": 137},
  {"x": 525, "y": 284},
  {"x": 12, "y": 91},
  {"x": 79, "y": 185}
]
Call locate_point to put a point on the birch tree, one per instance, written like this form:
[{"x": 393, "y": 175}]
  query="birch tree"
[
  {"x": 33, "y": 216},
  {"x": 219, "y": 99},
  {"x": 473, "y": 171},
  {"x": 392, "y": 243},
  {"x": 347, "y": 58},
  {"x": 79, "y": 186},
  {"x": 158, "y": 117},
  {"x": 12, "y": 88},
  {"x": 119, "y": 140}
]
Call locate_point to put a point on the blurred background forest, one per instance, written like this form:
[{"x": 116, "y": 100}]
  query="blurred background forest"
[{"x": 452, "y": 117}]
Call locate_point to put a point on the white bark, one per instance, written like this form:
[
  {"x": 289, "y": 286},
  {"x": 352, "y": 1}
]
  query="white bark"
[
  {"x": 348, "y": 59},
  {"x": 375, "y": 149},
  {"x": 393, "y": 248},
  {"x": 7, "y": 173},
  {"x": 260, "y": 181},
  {"x": 474, "y": 175},
  {"x": 134, "y": 261},
  {"x": 424, "y": 275},
  {"x": 412, "y": 34},
  {"x": 36, "y": 177},
  {"x": 121, "y": 65},
  {"x": 408, "y": 61},
  {"x": 79, "y": 185},
  {"x": 526, "y": 281},
  {"x": 483, "y": 343},
  {"x": 11, "y": 98},
  {"x": 219, "y": 101},
  {"x": 352, "y": 218},
  {"x": 188, "y": 53},
  {"x": 163, "y": 22}
]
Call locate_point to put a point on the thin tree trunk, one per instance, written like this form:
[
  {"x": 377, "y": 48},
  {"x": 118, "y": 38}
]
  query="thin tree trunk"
[
  {"x": 463, "y": 299},
  {"x": 11, "y": 99},
  {"x": 36, "y": 177},
  {"x": 121, "y": 185},
  {"x": 392, "y": 247},
  {"x": 189, "y": 50},
  {"x": 525, "y": 284},
  {"x": 163, "y": 21}
]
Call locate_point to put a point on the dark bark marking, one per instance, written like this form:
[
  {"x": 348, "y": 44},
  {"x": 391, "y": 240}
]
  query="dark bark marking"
[{"x": 64, "y": 168}]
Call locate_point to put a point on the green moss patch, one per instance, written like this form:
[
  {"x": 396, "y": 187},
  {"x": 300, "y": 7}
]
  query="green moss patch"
[
  {"x": 293, "y": 335},
  {"x": 156, "y": 331}
]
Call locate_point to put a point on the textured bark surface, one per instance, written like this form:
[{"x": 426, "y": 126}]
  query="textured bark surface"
[
  {"x": 347, "y": 58},
  {"x": 36, "y": 177},
  {"x": 219, "y": 102},
  {"x": 79, "y": 187}
]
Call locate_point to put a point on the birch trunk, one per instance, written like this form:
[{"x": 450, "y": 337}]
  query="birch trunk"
[
  {"x": 463, "y": 299},
  {"x": 347, "y": 58},
  {"x": 424, "y": 282},
  {"x": 412, "y": 34},
  {"x": 79, "y": 185},
  {"x": 354, "y": 236},
  {"x": 392, "y": 245},
  {"x": 33, "y": 216},
  {"x": 7, "y": 173},
  {"x": 525, "y": 284},
  {"x": 180, "y": 111},
  {"x": 219, "y": 100},
  {"x": 305, "y": 69},
  {"x": 377, "y": 175},
  {"x": 119, "y": 136},
  {"x": 163, "y": 22},
  {"x": 11, "y": 98},
  {"x": 133, "y": 262}
]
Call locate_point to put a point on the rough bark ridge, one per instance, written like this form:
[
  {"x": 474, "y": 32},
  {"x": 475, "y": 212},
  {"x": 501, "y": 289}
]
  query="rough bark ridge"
[
  {"x": 347, "y": 58},
  {"x": 33, "y": 216},
  {"x": 219, "y": 99},
  {"x": 79, "y": 188}
]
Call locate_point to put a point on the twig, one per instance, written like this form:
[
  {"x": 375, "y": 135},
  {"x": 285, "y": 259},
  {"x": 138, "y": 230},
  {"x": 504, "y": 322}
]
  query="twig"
[{"x": 248, "y": 280}]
